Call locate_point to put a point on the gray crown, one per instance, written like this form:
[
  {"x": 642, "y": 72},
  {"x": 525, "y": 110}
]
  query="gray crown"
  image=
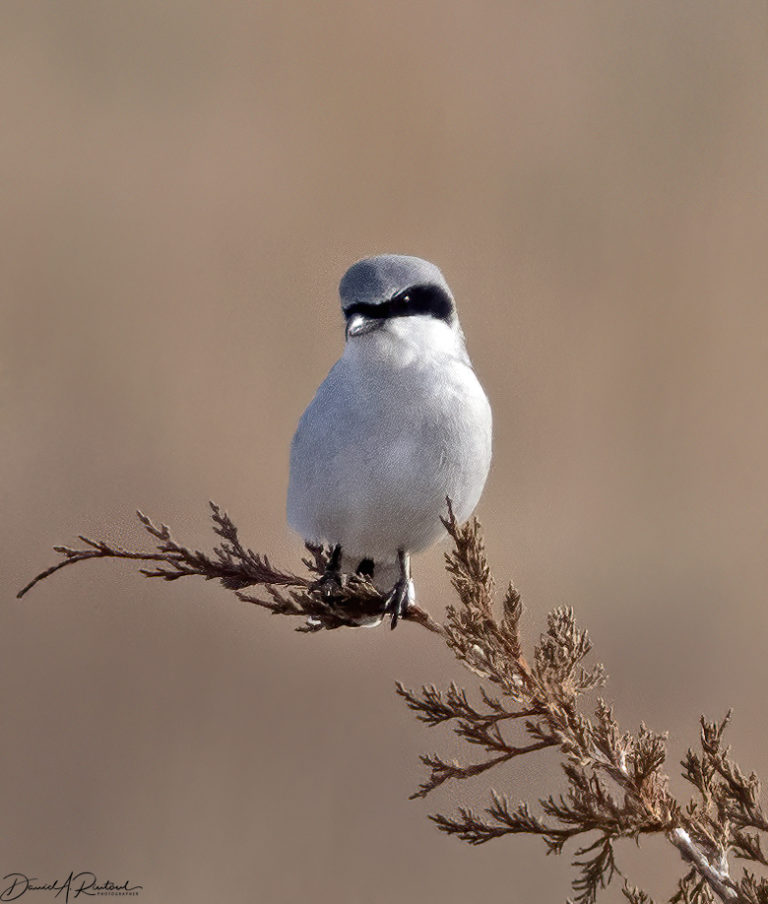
[{"x": 376, "y": 279}]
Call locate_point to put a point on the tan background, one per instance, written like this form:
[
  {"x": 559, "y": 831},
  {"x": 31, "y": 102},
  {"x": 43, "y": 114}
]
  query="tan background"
[{"x": 183, "y": 184}]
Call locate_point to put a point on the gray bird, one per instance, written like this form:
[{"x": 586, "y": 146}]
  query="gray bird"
[{"x": 399, "y": 423}]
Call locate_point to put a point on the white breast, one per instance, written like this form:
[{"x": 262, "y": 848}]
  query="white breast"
[{"x": 400, "y": 423}]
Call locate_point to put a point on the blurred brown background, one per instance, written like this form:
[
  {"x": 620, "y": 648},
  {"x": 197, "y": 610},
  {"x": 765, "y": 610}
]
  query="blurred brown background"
[{"x": 183, "y": 184}]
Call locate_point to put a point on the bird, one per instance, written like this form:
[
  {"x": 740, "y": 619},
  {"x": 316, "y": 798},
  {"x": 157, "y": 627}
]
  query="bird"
[{"x": 400, "y": 423}]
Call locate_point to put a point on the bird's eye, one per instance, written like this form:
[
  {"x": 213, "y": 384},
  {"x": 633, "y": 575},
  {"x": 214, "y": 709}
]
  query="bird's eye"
[{"x": 406, "y": 297}]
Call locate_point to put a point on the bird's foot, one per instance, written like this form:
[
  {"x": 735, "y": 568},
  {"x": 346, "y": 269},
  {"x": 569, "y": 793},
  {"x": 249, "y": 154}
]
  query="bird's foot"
[
  {"x": 400, "y": 598},
  {"x": 329, "y": 584}
]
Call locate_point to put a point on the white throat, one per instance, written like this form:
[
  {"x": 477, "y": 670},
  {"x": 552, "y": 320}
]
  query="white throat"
[{"x": 405, "y": 341}]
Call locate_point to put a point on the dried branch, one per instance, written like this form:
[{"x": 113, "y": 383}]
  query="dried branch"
[
  {"x": 615, "y": 784},
  {"x": 322, "y": 604},
  {"x": 635, "y": 895}
]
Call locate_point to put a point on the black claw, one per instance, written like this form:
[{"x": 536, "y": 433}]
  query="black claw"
[
  {"x": 334, "y": 563},
  {"x": 397, "y": 601},
  {"x": 399, "y": 597},
  {"x": 330, "y": 583},
  {"x": 365, "y": 568}
]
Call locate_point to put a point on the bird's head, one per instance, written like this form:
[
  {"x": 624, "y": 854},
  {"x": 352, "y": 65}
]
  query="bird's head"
[{"x": 395, "y": 291}]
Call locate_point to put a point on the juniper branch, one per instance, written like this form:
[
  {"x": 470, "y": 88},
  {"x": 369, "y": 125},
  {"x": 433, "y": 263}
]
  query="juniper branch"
[
  {"x": 616, "y": 786},
  {"x": 636, "y": 895},
  {"x": 320, "y": 605}
]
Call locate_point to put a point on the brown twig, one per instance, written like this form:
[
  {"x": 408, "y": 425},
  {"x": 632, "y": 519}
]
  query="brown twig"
[
  {"x": 319, "y": 603},
  {"x": 616, "y": 786}
]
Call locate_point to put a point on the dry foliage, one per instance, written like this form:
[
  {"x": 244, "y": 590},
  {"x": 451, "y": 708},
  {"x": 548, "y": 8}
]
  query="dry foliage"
[
  {"x": 320, "y": 603},
  {"x": 616, "y": 784}
]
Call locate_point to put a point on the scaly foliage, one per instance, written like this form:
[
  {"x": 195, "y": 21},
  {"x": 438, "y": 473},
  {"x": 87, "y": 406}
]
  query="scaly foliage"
[{"x": 616, "y": 787}]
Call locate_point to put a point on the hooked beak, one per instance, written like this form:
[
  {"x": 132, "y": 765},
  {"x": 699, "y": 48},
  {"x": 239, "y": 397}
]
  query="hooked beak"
[{"x": 358, "y": 324}]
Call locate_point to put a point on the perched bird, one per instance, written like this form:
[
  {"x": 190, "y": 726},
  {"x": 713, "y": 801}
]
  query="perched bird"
[{"x": 399, "y": 423}]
